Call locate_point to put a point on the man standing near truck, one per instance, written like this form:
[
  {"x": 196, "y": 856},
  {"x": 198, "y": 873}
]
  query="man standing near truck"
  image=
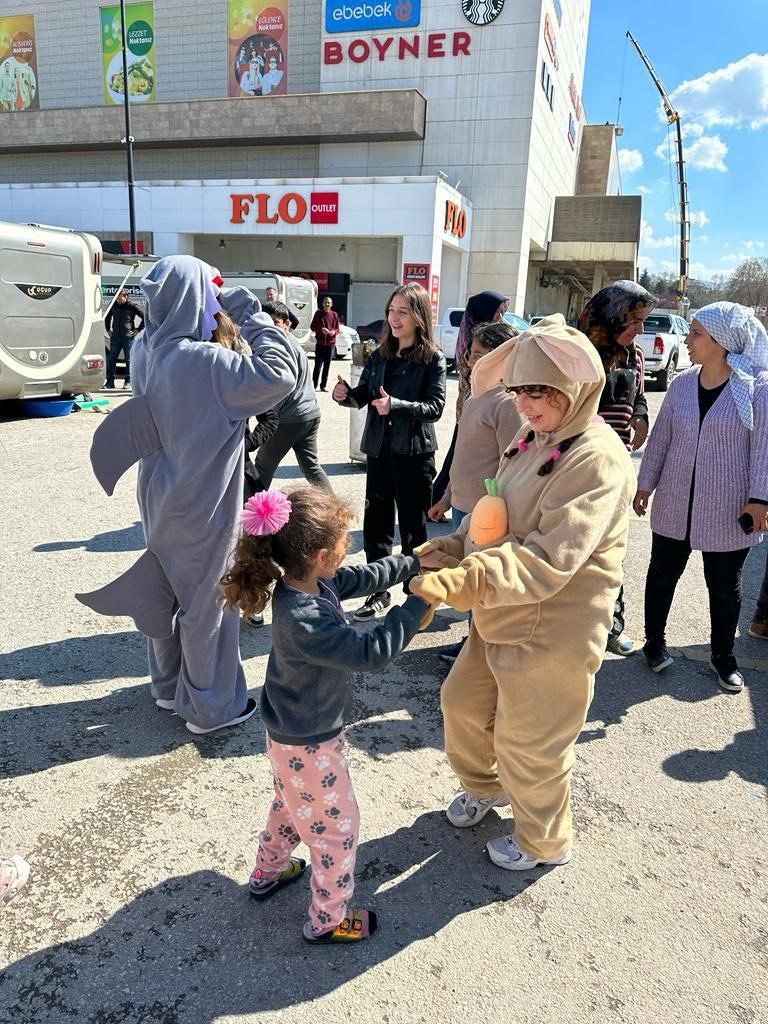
[
  {"x": 122, "y": 328},
  {"x": 325, "y": 327}
]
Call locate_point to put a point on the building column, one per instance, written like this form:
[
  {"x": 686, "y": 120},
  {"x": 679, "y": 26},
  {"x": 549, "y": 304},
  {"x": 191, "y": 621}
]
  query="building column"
[
  {"x": 173, "y": 244},
  {"x": 598, "y": 278}
]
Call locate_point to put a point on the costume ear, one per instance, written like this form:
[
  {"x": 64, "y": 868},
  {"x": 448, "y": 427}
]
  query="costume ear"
[
  {"x": 488, "y": 372},
  {"x": 571, "y": 357}
]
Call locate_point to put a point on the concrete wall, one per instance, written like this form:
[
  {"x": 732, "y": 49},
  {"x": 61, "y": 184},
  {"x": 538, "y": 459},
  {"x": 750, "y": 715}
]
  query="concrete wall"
[{"x": 597, "y": 160}]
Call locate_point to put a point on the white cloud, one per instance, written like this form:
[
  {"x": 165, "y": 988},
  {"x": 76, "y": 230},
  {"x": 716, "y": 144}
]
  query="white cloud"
[
  {"x": 704, "y": 153},
  {"x": 649, "y": 241},
  {"x": 644, "y": 190},
  {"x": 702, "y": 238},
  {"x": 630, "y": 160},
  {"x": 733, "y": 96},
  {"x": 750, "y": 244},
  {"x": 707, "y": 154},
  {"x": 697, "y": 217}
]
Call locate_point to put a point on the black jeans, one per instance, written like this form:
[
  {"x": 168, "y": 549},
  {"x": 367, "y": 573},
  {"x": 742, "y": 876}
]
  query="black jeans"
[
  {"x": 442, "y": 478},
  {"x": 116, "y": 346},
  {"x": 722, "y": 572},
  {"x": 323, "y": 357},
  {"x": 404, "y": 481},
  {"x": 302, "y": 437}
]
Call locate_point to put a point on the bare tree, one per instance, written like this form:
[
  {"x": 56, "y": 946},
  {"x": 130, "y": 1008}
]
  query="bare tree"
[{"x": 748, "y": 284}]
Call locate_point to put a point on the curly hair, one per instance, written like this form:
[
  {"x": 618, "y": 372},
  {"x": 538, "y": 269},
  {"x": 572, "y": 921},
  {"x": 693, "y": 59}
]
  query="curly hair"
[{"x": 317, "y": 522}]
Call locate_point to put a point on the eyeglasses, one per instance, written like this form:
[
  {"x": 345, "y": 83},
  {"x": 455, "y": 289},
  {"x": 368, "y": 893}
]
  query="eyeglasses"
[{"x": 531, "y": 390}]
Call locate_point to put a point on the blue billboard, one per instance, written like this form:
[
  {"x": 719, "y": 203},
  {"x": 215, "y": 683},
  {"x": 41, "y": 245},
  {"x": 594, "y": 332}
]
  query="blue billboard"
[{"x": 371, "y": 15}]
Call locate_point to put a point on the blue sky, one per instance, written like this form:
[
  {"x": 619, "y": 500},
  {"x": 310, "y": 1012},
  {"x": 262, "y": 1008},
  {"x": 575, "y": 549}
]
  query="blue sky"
[{"x": 715, "y": 69}]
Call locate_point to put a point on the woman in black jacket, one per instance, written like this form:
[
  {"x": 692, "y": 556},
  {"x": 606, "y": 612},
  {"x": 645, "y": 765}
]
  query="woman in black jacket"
[{"x": 403, "y": 386}]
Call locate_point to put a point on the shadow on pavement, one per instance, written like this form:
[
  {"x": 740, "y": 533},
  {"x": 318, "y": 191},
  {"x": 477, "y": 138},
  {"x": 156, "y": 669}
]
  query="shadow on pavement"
[
  {"x": 130, "y": 538},
  {"x": 195, "y": 949},
  {"x": 398, "y": 709},
  {"x": 79, "y": 659}
]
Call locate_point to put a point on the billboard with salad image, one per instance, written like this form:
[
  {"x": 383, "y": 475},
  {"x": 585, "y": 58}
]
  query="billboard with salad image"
[
  {"x": 140, "y": 45},
  {"x": 258, "y": 48},
  {"x": 18, "y": 64}
]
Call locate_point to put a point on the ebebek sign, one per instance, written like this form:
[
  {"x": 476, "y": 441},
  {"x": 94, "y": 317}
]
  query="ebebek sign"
[{"x": 371, "y": 15}]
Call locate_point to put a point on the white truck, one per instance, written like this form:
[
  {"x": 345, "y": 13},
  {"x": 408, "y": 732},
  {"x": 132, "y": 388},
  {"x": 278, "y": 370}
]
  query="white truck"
[
  {"x": 298, "y": 293},
  {"x": 663, "y": 345},
  {"x": 447, "y": 333}
]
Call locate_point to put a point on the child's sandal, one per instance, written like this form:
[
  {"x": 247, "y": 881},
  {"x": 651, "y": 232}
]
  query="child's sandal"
[
  {"x": 357, "y": 925},
  {"x": 260, "y": 890}
]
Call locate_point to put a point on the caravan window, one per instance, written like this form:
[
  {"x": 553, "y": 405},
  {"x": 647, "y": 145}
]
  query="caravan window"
[{"x": 23, "y": 266}]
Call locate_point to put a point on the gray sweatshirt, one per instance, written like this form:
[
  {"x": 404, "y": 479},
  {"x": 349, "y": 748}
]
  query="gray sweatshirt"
[
  {"x": 301, "y": 405},
  {"x": 307, "y": 695}
]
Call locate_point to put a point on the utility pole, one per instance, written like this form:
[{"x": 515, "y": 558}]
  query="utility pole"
[
  {"x": 128, "y": 140},
  {"x": 673, "y": 117}
]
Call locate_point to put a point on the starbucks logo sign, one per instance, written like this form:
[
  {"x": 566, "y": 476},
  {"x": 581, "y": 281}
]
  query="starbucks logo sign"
[{"x": 482, "y": 12}]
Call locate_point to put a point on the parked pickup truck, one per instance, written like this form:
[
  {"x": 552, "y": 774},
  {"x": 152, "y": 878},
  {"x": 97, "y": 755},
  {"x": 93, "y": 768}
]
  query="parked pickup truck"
[
  {"x": 447, "y": 333},
  {"x": 663, "y": 345}
]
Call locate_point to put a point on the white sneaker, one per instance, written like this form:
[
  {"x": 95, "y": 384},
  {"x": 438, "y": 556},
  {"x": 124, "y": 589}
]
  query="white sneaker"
[
  {"x": 505, "y": 852},
  {"x": 166, "y": 705},
  {"x": 465, "y": 809},
  {"x": 250, "y": 710},
  {"x": 621, "y": 644}
]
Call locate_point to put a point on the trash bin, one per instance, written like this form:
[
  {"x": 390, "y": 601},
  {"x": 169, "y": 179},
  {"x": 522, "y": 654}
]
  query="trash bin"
[{"x": 361, "y": 351}]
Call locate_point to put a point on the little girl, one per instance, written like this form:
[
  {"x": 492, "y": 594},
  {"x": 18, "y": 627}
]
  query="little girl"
[{"x": 297, "y": 543}]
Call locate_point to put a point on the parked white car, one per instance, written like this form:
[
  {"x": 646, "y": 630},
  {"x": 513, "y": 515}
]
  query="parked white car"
[
  {"x": 345, "y": 339},
  {"x": 663, "y": 345}
]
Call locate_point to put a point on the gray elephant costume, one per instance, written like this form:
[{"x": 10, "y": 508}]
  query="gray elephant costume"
[{"x": 186, "y": 423}]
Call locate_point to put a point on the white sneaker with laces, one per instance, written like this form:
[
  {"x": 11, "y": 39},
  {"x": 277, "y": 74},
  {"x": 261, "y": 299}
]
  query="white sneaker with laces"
[
  {"x": 505, "y": 853},
  {"x": 465, "y": 809}
]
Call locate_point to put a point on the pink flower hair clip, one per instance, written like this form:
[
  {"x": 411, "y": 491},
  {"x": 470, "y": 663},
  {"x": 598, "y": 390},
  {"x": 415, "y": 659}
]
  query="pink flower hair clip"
[{"x": 266, "y": 513}]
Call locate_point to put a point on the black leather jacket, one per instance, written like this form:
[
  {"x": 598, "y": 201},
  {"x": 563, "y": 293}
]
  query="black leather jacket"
[{"x": 417, "y": 391}]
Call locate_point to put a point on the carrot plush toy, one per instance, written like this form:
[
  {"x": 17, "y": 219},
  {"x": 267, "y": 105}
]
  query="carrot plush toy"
[{"x": 489, "y": 521}]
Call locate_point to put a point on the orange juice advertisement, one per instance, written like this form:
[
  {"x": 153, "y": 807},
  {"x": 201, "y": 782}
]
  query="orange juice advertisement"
[
  {"x": 258, "y": 48},
  {"x": 18, "y": 64}
]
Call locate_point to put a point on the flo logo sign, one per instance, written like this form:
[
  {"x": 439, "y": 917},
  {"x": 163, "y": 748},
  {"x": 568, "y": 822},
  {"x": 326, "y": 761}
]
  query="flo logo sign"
[{"x": 371, "y": 15}]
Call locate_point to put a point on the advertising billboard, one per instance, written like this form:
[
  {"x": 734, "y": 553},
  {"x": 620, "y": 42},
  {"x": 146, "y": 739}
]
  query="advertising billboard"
[
  {"x": 371, "y": 15},
  {"x": 258, "y": 48},
  {"x": 18, "y": 64},
  {"x": 140, "y": 45}
]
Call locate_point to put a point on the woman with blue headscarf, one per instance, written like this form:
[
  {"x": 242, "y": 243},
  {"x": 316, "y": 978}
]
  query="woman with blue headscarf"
[{"x": 707, "y": 465}]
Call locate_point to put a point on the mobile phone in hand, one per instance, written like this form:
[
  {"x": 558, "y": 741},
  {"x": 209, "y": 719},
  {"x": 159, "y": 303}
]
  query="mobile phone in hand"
[{"x": 747, "y": 523}]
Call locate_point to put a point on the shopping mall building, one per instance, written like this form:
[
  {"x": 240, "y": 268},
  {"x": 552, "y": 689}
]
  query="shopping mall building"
[{"x": 365, "y": 143}]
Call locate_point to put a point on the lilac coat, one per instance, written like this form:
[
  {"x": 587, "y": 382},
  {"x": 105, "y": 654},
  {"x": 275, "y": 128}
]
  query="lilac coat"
[{"x": 731, "y": 465}]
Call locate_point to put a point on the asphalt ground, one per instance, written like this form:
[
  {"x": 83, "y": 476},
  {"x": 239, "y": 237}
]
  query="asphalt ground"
[{"x": 141, "y": 837}]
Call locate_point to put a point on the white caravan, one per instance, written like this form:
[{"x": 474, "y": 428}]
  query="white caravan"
[{"x": 51, "y": 325}]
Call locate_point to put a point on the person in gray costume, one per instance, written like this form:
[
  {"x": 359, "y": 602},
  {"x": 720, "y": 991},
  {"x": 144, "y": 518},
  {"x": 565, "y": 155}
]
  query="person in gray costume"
[{"x": 186, "y": 424}]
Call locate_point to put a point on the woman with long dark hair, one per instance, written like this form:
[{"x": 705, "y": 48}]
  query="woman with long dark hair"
[
  {"x": 484, "y": 308},
  {"x": 403, "y": 388},
  {"x": 612, "y": 319}
]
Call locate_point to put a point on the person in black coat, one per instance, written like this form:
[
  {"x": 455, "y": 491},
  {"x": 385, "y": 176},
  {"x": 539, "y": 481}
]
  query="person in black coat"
[
  {"x": 403, "y": 387},
  {"x": 122, "y": 327}
]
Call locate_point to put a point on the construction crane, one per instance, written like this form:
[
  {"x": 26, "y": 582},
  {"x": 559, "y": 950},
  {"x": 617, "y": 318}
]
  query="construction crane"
[{"x": 673, "y": 117}]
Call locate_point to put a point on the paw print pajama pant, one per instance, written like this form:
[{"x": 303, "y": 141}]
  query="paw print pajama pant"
[{"x": 315, "y": 804}]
